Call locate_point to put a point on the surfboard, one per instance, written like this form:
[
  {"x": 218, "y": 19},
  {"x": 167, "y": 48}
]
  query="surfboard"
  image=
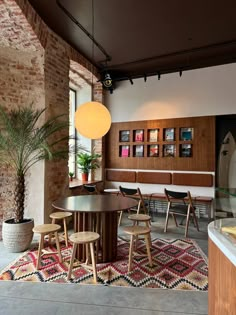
[
  {"x": 227, "y": 149},
  {"x": 226, "y": 176}
]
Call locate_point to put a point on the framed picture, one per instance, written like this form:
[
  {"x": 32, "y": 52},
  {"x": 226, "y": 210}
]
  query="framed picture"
[
  {"x": 186, "y": 134},
  {"x": 124, "y": 136},
  {"x": 169, "y": 134},
  {"x": 185, "y": 150},
  {"x": 169, "y": 150},
  {"x": 138, "y": 150},
  {"x": 153, "y": 135},
  {"x": 153, "y": 150},
  {"x": 138, "y": 135},
  {"x": 124, "y": 151}
]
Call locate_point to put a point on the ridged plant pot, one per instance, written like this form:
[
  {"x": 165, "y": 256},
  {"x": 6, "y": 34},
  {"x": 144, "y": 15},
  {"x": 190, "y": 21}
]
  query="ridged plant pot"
[
  {"x": 84, "y": 177},
  {"x": 17, "y": 237}
]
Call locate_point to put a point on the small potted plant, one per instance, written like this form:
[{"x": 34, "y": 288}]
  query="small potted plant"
[
  {"x": 71, "y": 174},
  {"x": 87, "y": 162}
]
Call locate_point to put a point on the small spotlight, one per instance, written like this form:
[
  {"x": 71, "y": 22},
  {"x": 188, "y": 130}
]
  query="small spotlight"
[
  {"x": 131, "y": 81},
  {"x": 180, "y": 73},
  {"x": 159, "y": 75},
  {"x": 145, "y": 78}
]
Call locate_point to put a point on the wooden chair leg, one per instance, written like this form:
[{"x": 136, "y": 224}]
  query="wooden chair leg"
[
  {"x": 131, "y": 249},
  {"x": 87, "y": 254},
  {"x": 41, "y": 243},
  {"x": 93, "y": 262},
  {"x": 58, "y": 246},
  {"x": 120, "y": 217},
  {"x": 196, "y": 221},
  {"x": 187, "y": 224},
  {"x": 147, "y": 237},
  {"x": 174, "y": 217},
  {"x": 166, "y": 222},
  {"x": 65, "y": 232},
  {"x": 71, "y": 261}
]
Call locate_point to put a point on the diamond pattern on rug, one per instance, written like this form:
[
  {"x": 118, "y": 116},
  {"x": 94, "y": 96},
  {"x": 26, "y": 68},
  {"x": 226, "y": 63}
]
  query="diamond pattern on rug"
[{"x": 177, "y": 264}]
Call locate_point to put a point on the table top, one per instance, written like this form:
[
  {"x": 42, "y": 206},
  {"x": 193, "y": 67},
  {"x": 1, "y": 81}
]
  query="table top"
[{"x": 94, "y": 203}]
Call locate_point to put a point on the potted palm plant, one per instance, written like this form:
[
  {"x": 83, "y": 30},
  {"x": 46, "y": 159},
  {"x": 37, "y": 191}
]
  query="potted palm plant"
[
  {"x": 87, "y": 162},
  {"x": 24, "y": 142}
]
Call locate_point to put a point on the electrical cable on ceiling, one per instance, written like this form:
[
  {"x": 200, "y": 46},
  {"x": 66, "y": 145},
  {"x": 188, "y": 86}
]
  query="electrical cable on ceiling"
[{"x": 73, "y": 19}]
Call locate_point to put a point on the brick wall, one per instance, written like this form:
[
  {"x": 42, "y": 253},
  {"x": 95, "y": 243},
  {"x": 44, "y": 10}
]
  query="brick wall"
[{"x": 34, "y": 67}]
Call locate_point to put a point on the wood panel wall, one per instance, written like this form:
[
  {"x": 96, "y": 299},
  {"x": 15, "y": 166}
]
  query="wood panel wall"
[{"x": 203, "y": 145}]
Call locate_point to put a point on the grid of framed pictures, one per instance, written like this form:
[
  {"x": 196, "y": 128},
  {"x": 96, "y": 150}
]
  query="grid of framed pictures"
[{"x": 156, "y": 142}]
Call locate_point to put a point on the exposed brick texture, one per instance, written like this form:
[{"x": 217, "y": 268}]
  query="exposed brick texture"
[{"x": 36, "y": 67}]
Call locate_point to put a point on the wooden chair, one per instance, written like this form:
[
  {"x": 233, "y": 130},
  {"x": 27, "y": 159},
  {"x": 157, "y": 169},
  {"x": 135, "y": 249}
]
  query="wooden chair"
[
  {"x": 43, "y": 230},
  {"x": 134, "y": 193},
  {"x": 87, "y": 238},
  {"x": 180, "y": 203},
  {"x": 135, "y": 231},
  {"x": 89, "y": 189},
  {"x": 61, "y": 215}
]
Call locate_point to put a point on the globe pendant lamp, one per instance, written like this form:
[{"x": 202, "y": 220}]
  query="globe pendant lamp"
[{"x": 92, "y": 120}]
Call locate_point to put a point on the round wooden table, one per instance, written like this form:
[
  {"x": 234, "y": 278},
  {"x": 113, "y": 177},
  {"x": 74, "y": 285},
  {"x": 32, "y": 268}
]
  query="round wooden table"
[{"x": 97, "y": 213}]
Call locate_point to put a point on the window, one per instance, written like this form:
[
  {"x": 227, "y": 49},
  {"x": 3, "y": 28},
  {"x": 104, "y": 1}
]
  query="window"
[{"x": 77, "y": 138}]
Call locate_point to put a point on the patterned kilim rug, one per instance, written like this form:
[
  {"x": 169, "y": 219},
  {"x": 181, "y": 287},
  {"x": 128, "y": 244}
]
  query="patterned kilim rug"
[{"x": 177, "y": 264}]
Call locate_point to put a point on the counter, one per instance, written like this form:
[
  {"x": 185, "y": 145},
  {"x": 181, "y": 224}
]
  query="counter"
[
  {"x": 223, "y": 241},
  {"x": 222, "y": 269}
]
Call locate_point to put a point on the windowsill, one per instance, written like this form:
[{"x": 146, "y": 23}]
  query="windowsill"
[{"x": 78, "y": 183}]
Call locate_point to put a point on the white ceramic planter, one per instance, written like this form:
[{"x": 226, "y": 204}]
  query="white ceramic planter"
[{"x": 17, "y": 237}]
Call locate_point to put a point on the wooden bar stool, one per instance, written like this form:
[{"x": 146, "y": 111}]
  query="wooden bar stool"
[
  {"x": 134, "y": 231},
  {"x": 43, "y": 230},
  {"x": 141, "y": 218},
  {"x": 61, "y": 216},
  {"x": 87, "y": 238}
]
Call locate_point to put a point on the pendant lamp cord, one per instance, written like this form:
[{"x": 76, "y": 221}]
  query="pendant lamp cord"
[{"x": 92, "y": 50}]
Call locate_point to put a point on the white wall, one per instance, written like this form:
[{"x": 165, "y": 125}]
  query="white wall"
[{"x": 201, "y": 92}]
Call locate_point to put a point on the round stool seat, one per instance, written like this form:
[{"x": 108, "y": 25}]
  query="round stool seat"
[
  {"x": 136, "y": 230},
  {"x": 84, "y": 237},
  {"x": 46, "y": 228},
  {"x": 60, "y": 215},
  {"x": 139, "y": 217}
]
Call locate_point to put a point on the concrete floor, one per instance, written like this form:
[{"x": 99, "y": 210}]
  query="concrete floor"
[{"x": 46, "y": 298}]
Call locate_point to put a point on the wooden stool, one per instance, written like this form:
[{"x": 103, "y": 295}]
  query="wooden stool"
[
  {"x": 87, "y": 238},
  {"x": 137, "y": 218},
  {"x": 43, "y": 230},
  {"x": 61, "y": 216},
  {"x": 134, "y": 231}
]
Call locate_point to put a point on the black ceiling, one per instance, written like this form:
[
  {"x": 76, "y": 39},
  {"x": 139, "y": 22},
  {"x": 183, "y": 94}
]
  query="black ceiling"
[{"x": 137, "y": 38}]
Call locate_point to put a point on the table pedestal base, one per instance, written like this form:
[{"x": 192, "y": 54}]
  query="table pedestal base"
[{"x": 104, "y": 224}]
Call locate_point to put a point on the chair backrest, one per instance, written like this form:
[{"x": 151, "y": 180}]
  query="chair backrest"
[
  {"x": 170, "y": 194},
  {"x": 128, "y": 191},
  {"x": 176, "y": 196},
  {"x": 135, "y": 193},
  {"x": 91, "y": 189}
]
